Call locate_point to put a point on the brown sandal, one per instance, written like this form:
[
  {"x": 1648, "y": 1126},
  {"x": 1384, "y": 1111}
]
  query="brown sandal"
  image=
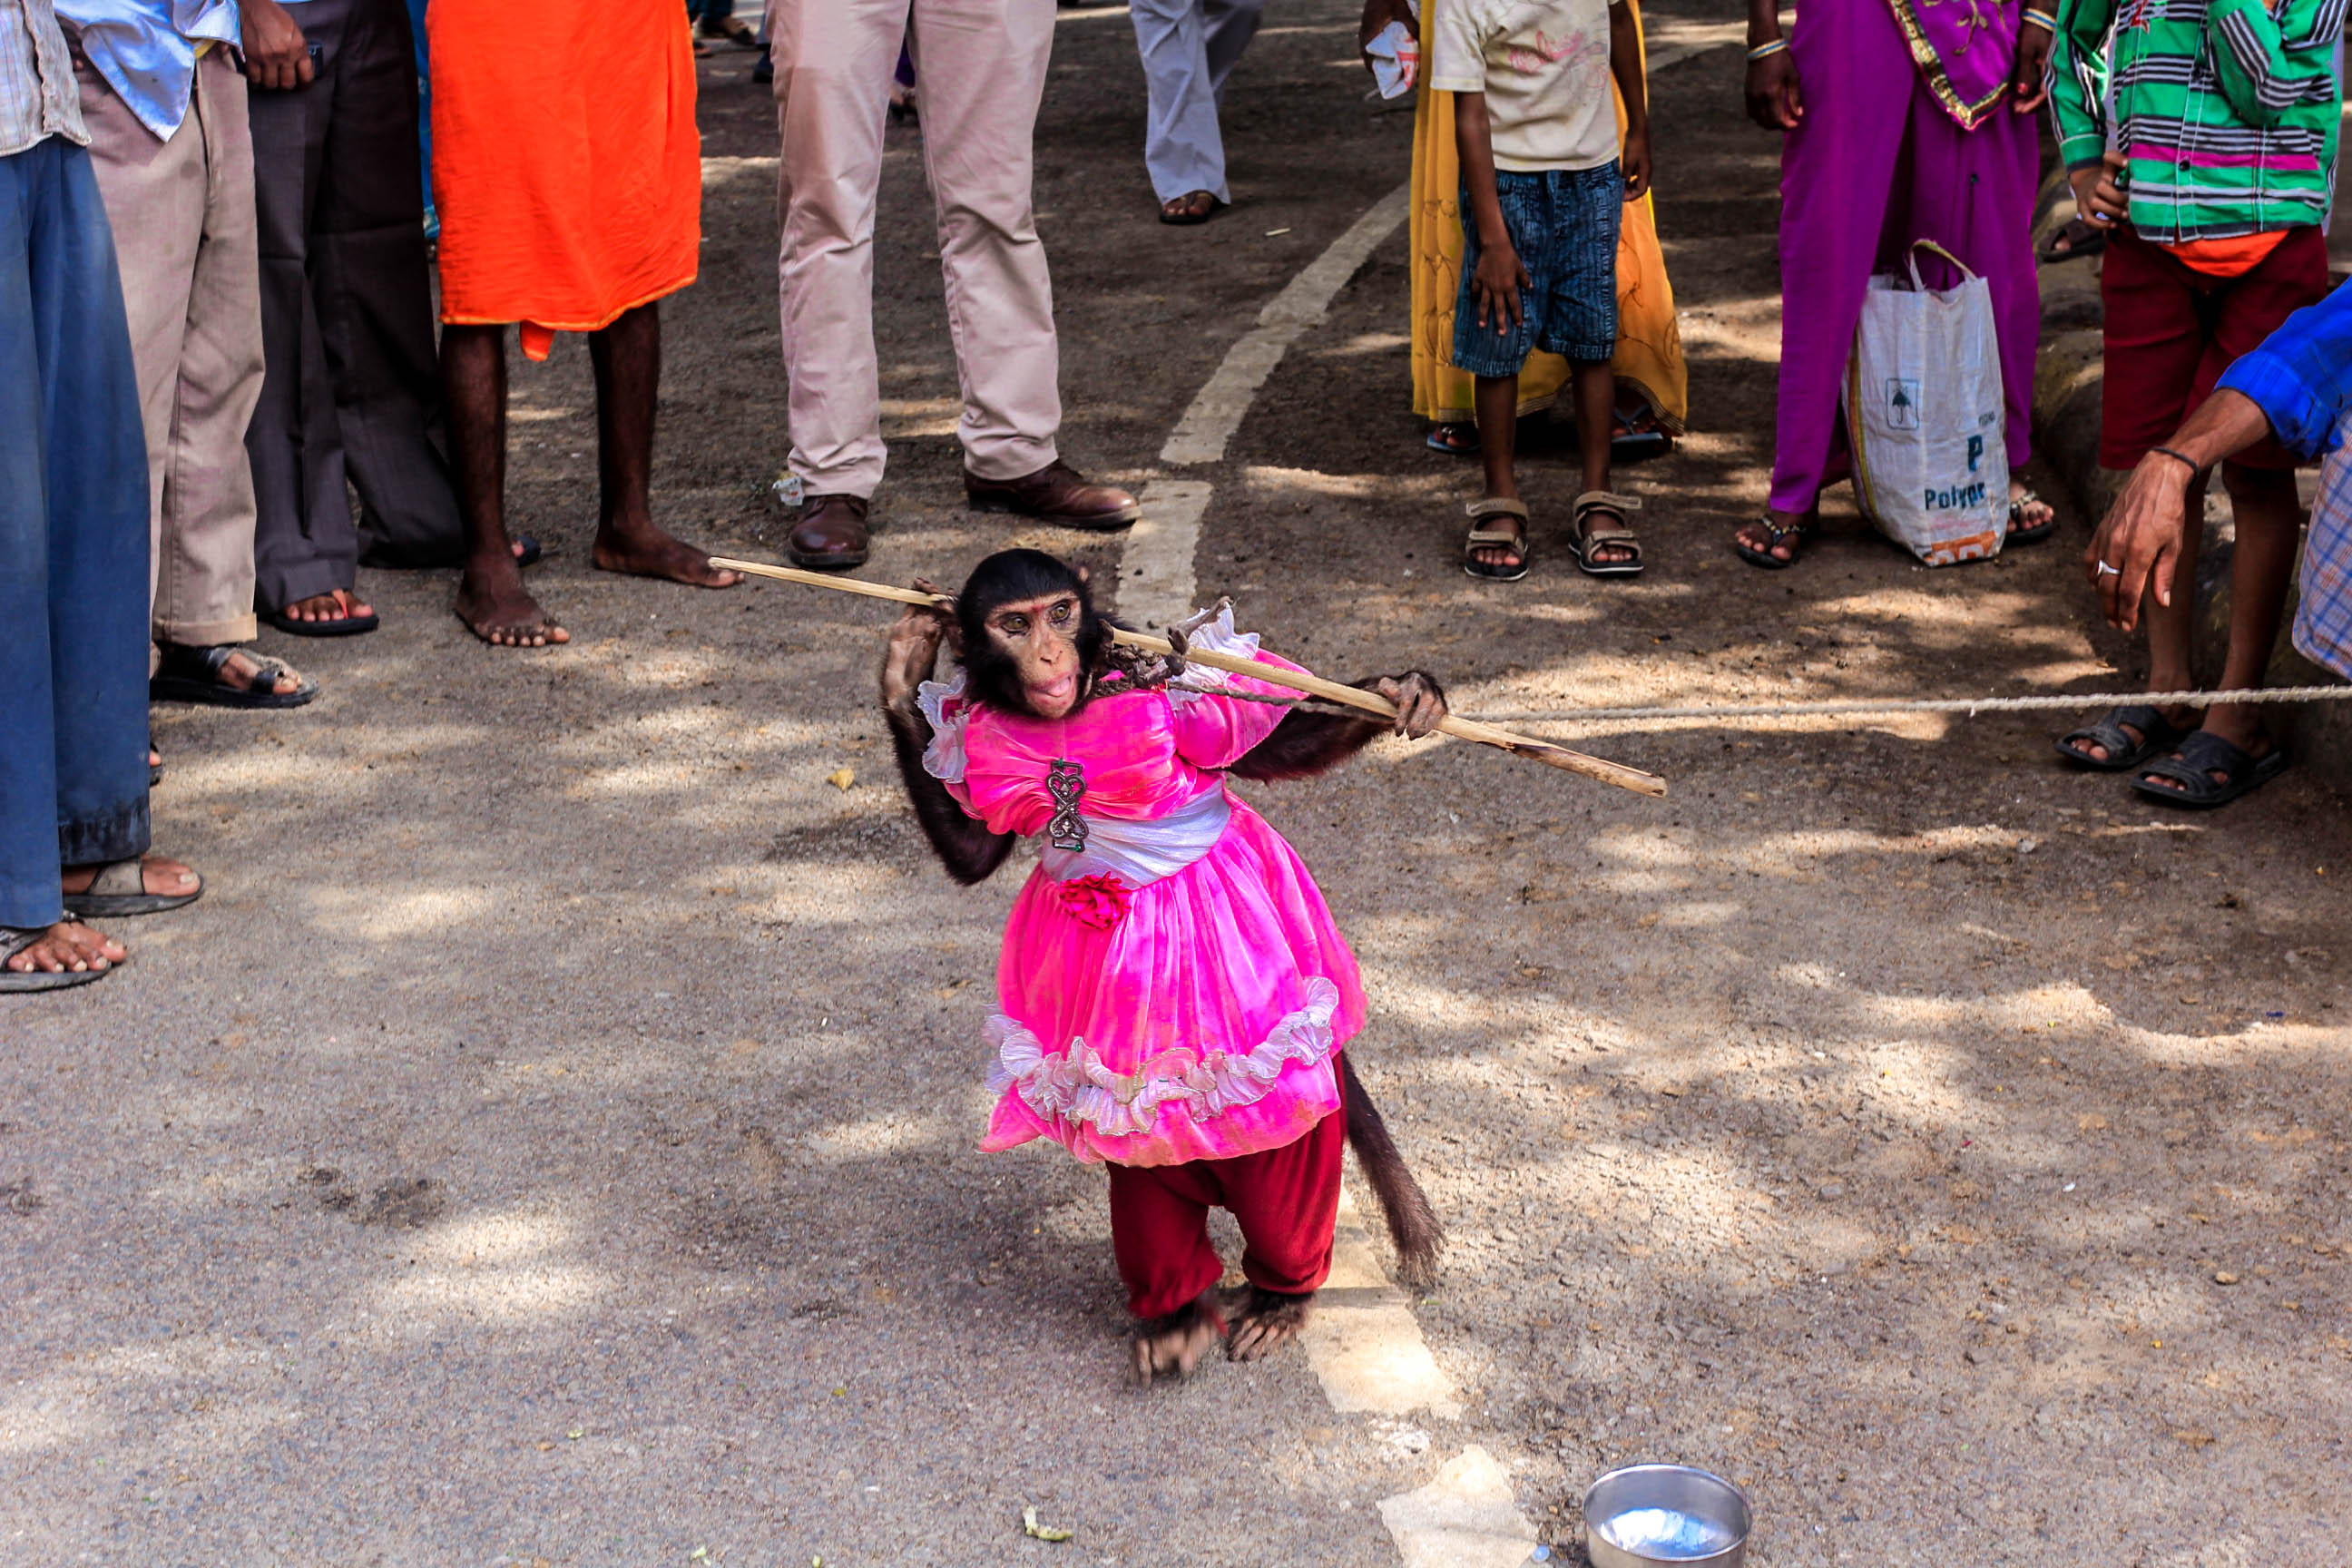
[
  {"x": 1512, "y": 539},
  {"x": 1587, "y": 540}
]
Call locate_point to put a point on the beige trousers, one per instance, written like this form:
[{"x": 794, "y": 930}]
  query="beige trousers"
[
  {"x": 182, "y": 212},
  {"x": 982, "y": 65}
]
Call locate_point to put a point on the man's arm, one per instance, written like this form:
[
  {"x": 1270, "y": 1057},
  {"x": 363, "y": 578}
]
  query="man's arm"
[
  {"x": 1625, "y": 64},
  {"x": 2297, "y": 386},
  {"x": 276, "y": 54}
]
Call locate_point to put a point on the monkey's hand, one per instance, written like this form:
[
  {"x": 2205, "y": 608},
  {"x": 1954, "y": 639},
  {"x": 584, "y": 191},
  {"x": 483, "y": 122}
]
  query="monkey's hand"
[
  {"x": 912, "y": 651},
  {"x": 1420, "y": 700}
]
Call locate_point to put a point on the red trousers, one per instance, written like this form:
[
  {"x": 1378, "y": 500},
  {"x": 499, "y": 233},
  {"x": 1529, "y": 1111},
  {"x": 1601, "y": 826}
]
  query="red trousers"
[{"x": 1286, "y": 1199}]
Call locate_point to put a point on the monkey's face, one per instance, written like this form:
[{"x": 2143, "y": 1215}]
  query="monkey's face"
[{"x": 1038, "y": 638}]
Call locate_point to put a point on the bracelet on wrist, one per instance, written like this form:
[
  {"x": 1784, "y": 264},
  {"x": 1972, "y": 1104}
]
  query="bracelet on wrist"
[
  {"x": 2196, "y": 469},
  {"x": 1761, "y": 50},
  {"x": 2042, "y": 19}
]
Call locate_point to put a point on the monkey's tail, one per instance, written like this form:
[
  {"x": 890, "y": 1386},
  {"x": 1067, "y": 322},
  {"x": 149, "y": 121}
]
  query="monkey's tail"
[{"x": 1412, "y": 1223}]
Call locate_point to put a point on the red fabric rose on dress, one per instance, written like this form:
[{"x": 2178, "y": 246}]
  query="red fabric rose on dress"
[{"x": 1099, "y": 900}]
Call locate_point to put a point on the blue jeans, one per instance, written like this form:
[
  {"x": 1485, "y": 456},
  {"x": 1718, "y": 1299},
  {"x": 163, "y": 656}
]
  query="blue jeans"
[
  {"x": 1563, "y": 222},
  {"x": 73, "y": 539}
]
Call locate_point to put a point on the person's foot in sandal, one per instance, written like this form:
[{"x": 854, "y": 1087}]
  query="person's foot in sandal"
[
  {"x": 1192, "y": 206},
  {"x": 147, "y": 886},
  {"x": 1776, "y": 539},
  {"x": 1604, "y": 547},
  {"x": 224, "y": 675},
  {"x": 2075, "y": 241},
  {"x": 1456, "y": 438},
  {"x": 2207, "y": 770},
  {"x": 497, "y": 608},
  {"x": 1496, "y": 544},
  {"x": 335, "y": 614},
  {"x": 2125, "y": 737},
  {"x": 67, "y": 954},
  {"x": 2032, "y": 520}
]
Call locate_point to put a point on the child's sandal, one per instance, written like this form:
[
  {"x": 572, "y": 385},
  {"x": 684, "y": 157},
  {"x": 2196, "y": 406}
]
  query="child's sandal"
[
  {"x": 1512, "y": 539},
  {"x": 1588, "y": 541}
]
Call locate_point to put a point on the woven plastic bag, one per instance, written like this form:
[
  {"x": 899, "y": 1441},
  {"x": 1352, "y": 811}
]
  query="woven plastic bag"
[{"x": 1924, "y": 413}]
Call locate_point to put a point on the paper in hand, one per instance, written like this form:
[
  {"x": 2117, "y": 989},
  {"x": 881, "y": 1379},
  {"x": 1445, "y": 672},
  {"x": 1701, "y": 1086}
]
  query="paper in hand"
[{"x": 1396, "y": 60}]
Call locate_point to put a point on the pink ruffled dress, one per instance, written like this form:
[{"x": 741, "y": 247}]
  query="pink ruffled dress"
[{"x": 1175, "y": 989}]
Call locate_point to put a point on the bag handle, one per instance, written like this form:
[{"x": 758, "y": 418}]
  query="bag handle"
[{"x": 1911, "y": 258}]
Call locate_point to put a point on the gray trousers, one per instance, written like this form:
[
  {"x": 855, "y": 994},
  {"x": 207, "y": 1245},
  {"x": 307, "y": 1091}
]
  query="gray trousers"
[
  {"x": 352, "y": 389},
  {"x": 1189, "y": 48}
]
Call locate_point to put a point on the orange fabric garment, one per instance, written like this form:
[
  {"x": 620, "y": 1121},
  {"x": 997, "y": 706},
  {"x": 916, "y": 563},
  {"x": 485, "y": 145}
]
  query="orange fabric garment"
[
  {"x": 2232, "y": 258},
  {"x": 565, "y": 162}
]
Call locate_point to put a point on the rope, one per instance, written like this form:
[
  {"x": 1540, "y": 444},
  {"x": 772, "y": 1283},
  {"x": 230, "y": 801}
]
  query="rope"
[
  {"x": 1739, "y": 714},
  {"x": 1733, "y": 712}
]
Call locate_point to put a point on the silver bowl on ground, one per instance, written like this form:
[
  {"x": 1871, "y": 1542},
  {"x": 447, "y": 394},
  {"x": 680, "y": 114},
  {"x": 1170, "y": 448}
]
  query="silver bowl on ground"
[{"x": 1649, "y": 1516}]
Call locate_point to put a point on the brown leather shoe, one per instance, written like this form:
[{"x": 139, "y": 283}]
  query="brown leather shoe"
[
  {"x": 1056, "y": 493},
  {"x": 830, "y": 534}
]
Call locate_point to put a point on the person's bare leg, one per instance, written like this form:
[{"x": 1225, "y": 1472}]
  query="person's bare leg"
[
  {"x": 2168, "y": 628},
  {"x": 1498, "y": 403},
  {"x": 68, "y": 945},
  {"x": 491, "y": 599},
  {"x": 1596, "y": 418},
  {"x": 627, "y": 360},
  {"x": 2270, "y": 529}
]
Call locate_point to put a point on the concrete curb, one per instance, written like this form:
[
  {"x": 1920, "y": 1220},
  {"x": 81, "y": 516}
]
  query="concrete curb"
[{"x": 2069, "y": 375}]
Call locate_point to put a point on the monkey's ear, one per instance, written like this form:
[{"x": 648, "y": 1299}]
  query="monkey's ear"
[{"x": 1086, "y": 575}]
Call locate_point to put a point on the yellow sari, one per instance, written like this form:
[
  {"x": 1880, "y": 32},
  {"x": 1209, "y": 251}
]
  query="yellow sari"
[{"x": 1649, "y": 360}]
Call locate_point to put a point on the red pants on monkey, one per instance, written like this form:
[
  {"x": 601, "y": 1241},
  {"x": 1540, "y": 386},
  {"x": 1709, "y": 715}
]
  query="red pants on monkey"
[{"x": 1173, "y": 994}]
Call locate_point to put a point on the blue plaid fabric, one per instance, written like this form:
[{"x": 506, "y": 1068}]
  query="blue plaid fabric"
[{"x": 2323, "y": 616}]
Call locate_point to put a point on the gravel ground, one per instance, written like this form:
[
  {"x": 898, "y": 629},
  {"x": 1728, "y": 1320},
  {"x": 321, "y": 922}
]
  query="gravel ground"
[{"x": 550, "y": 1138}]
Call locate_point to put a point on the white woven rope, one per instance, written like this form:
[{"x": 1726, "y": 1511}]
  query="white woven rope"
[{"x": 1738, "y": 713}]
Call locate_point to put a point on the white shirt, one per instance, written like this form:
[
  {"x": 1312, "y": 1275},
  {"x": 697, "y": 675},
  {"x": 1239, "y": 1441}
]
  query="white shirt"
[
  {"x": 38, "y": 96},
  {"x": 1544, "y": 67},
  {"x": 146, "y": 50}
]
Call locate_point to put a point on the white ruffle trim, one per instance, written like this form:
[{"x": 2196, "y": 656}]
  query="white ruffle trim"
[
  {"x": 1216, "y": 637},
  {"x": 943, "y": 703},
  {"x": 1078, "y": 1087}
]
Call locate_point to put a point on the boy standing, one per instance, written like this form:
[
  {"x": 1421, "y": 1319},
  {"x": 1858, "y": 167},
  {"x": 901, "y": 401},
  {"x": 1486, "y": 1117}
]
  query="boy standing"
[
  {"x": 2211, "y": 176},
  {"x": 1543, "y": 188}
]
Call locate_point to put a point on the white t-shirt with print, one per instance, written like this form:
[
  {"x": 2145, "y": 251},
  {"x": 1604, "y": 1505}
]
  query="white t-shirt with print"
[{"x": 1544, "y": 67}]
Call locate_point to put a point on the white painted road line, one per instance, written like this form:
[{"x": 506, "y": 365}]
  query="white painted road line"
[
  {"x": 1155, "y": 569},
  {"x": 1218, "y": 411},
  {"x": 1466, "y": 1518}
]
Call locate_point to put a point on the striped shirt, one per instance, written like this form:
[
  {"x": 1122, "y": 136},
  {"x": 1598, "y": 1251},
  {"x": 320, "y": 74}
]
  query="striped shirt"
[
  {"x": 2224, "y": 111},
  {"x": 2300, "y": 378},
  {"x": 38, "y": 96}
]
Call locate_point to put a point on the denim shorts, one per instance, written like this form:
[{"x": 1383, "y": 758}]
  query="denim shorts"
[{"x": 1563, "y": 222}]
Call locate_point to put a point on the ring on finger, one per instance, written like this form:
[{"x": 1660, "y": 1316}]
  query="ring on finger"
[{"x": 2107, "y": 570}]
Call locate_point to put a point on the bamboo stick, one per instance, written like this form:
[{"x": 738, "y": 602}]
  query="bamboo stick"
[{"x": 1544, "y": 751}]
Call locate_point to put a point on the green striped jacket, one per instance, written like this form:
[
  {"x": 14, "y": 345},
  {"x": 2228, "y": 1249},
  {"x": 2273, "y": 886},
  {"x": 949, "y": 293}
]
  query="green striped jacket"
[{"x": 2226, "y": 110}]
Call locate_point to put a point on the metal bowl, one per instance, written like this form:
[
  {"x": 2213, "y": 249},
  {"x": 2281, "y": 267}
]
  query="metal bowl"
[{"x": 1643, "y": 1516}]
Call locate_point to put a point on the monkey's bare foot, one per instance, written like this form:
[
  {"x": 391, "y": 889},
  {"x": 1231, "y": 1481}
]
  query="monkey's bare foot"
[
  {"x": 647, "y": 551},
  {"x": 497, "y": 608},
  {"x": 1265, "y": 1321},
  {"x": 1175, "y": 1343}
]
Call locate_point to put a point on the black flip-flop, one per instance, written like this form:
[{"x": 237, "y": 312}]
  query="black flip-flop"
[
  {"x": 2158, "y": 734},
  {"x": 2020, "y": 536},
  {"x": 1775, "y": 532},
  {"x": 193, "y": 675},
  {"x": 15, "y": 940},
  {"x": 2082, "y": 239},
  {"x": 2193, "y": 764},
  {"x": 340, "y": 626},
  {"x": 1187, "y": 218},
  {"x": 119, "y": 891}
]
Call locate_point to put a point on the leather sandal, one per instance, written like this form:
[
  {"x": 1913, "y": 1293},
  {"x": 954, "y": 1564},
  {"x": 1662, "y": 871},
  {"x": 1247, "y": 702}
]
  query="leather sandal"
[
  {"x": 185, "y": 674},
  {"x": 1586, "y": 541},
  {"x": 1513, "y": 539},
  {"x": 831, "y": 535},
  {"x": 2157, "y": 733},
  {"x": 15, "y": 940},
  {"x": 120, "y": 890},
  {"x": 1795, "y": 535}
]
